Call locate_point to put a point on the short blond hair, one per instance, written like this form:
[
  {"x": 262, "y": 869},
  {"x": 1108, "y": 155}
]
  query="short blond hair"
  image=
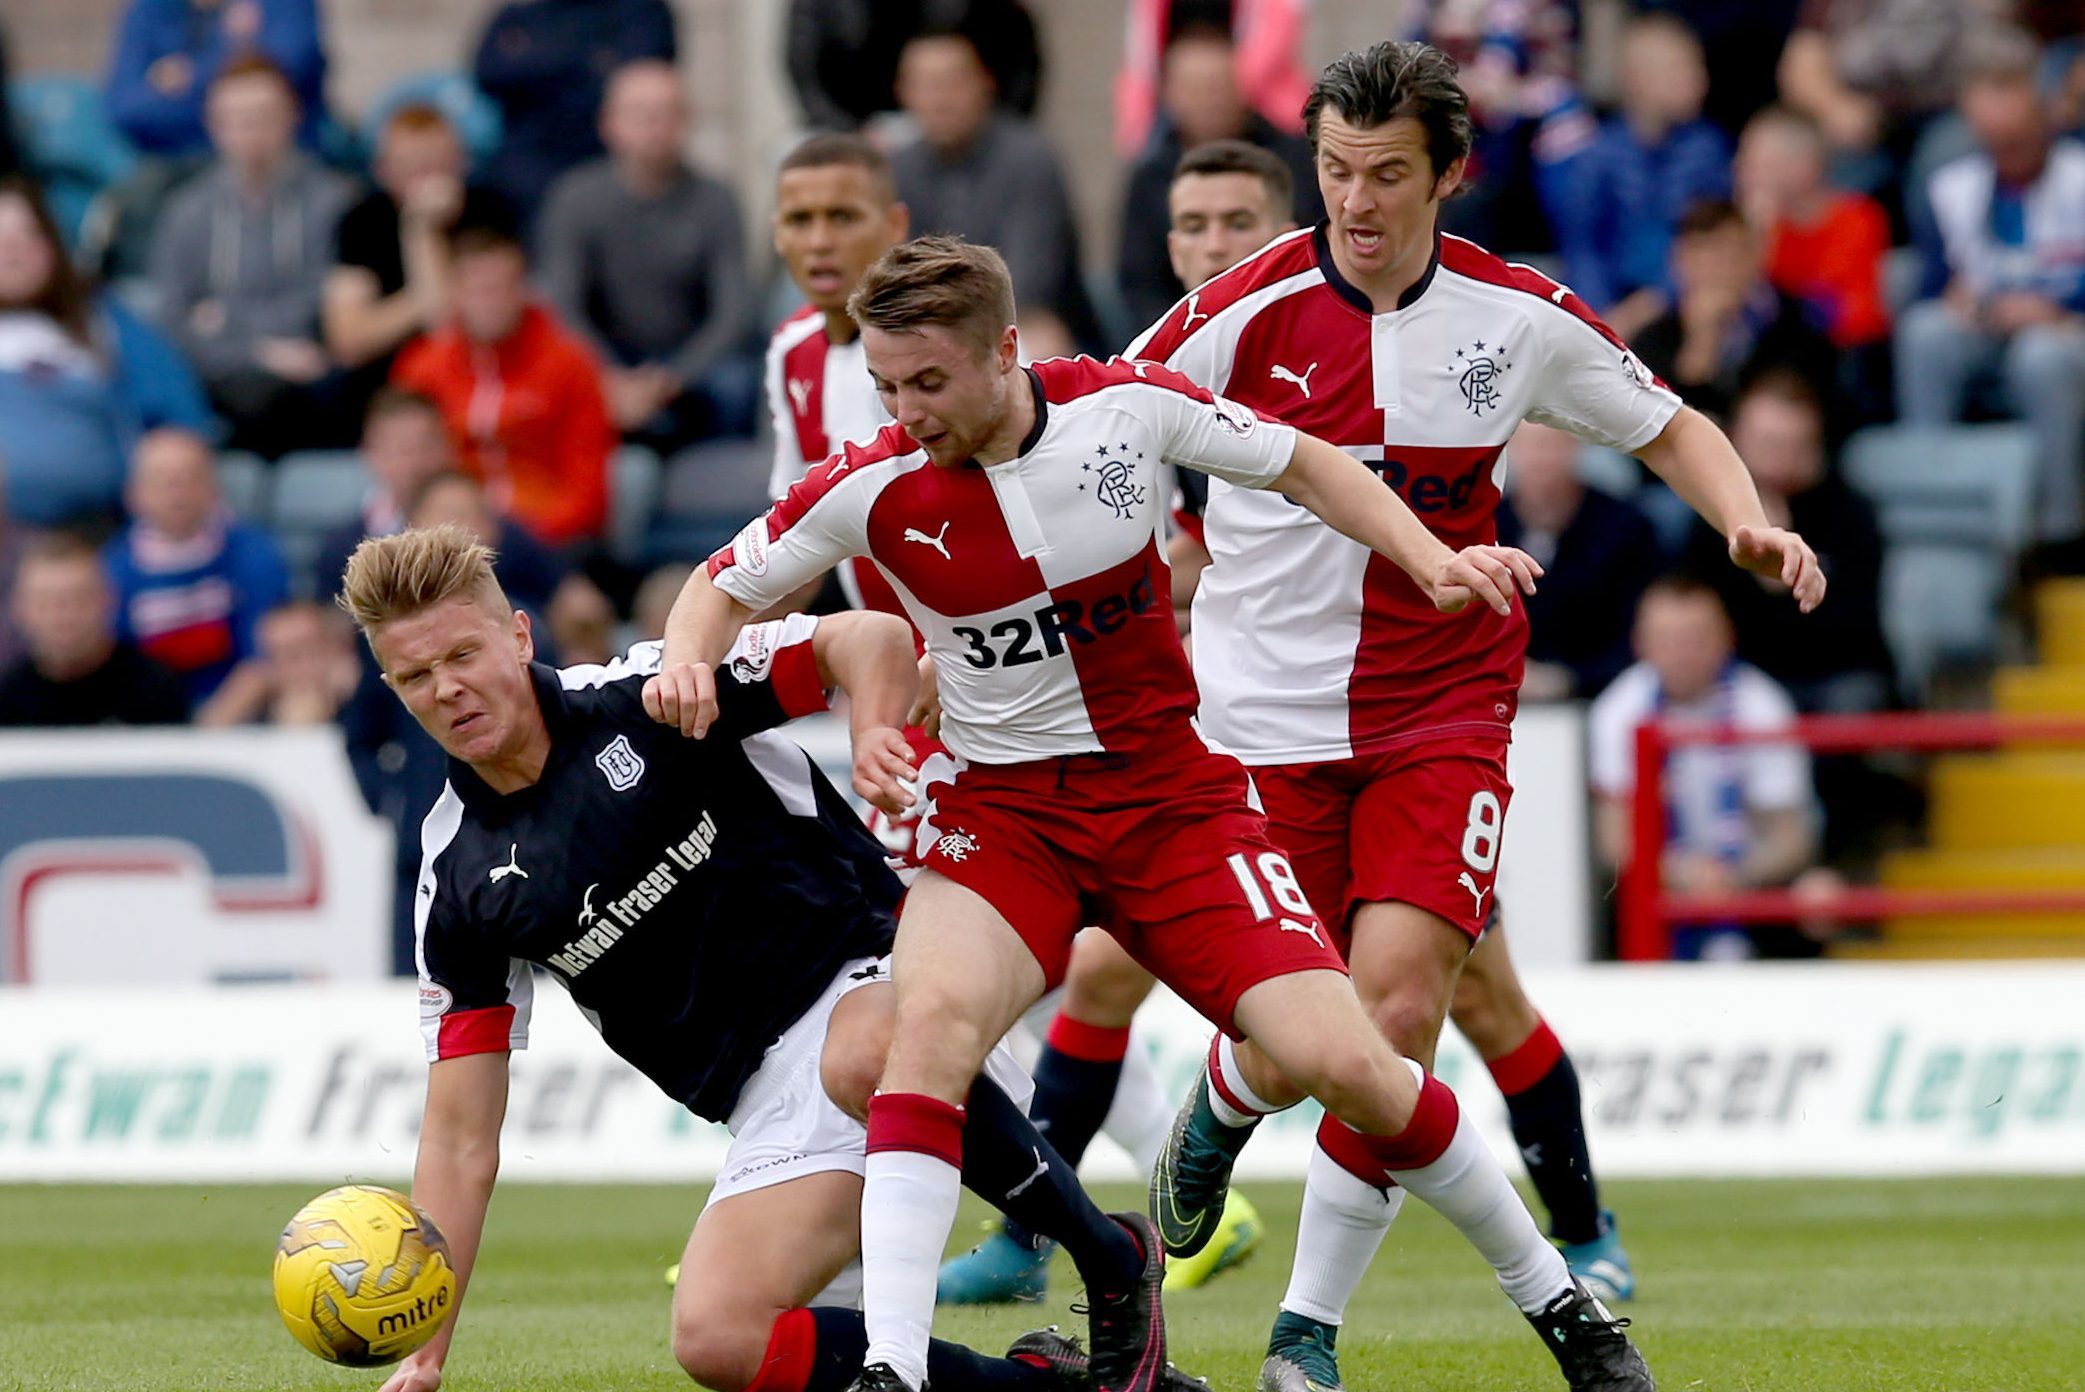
[
  {"x": 395, "y": 577},
  {"x": 937, "y": 281}
]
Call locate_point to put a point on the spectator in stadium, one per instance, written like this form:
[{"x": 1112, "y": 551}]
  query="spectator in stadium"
[
  {"x": 1742, "y": 41},
  {"x": 191, "y": 581},
  {"x": 405, "y": 443},
  {"x": 1529, "y": 122},
  {"x": 646, "y": 258},
  {"x": 302, "y": 672},
  {"x": 390, "y": 275},
  {"x": 843, "y": 54},
  {"x": 74, "y": 670},
  {"x": 531, "y": 574},
  {"x": 1728, "y": 323},
  {"x": 1834, "y": 659},
  {"x": 546, "y": 64},
  {"x": 2004, "y": 280},
  {"x": 80, "y": 376},
  {"x": 1737, "y": 816},
  {"x": 1273, "y": 73},
  {"x": 239, "y": 259},
  {"x": 1873, "y": 73},
  {"x": 1651, "y": 161},
  {"x": 521, "y": 395},
  {"x": 168, "y": 54},
  {"x": 655, "y": 599},
  {"x": 1597, "y": 553},
  {"x": 1200, "y": 102},
  {"x": 991, "y": 177},
  {"x": 1824, "y": 246}
]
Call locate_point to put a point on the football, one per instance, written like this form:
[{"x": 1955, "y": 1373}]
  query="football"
[{"x": 362, "y": 1277}]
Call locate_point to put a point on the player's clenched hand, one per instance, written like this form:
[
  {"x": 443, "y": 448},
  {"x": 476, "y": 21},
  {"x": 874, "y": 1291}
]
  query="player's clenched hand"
[
  {"x": 683, "y": 695},
  {"x": 1489, "y": 574},
  {"x": 926, "y": 710},
  {"x": 883, "y": 771},
  {"x": 414, "y": 1375},
  {"x": 1780, "y": 554}
]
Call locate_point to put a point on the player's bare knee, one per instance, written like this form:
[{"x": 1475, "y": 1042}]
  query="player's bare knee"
[
  {"x": 1107, "y": 998},
  {"x": 857, "y": 1045},
  {"x": 719, "y": 1348},
  {"x": 1358, "y": 1080},
  {"x": 1410, "y": 1021}
]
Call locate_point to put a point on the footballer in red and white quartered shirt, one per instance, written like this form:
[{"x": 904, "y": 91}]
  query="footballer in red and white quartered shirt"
[
  {"x": 1041, "y": 588},
  {"x": 1308, "y": 648}
]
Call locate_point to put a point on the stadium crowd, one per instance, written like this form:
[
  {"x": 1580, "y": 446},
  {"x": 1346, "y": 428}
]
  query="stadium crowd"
[{"x": 513, "y": 303}]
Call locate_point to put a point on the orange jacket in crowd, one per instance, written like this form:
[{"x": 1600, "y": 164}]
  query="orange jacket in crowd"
[{"x": 528, "y": 417}]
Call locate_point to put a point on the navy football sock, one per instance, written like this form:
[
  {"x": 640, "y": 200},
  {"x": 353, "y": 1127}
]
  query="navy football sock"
[
  {"x": 1007, "y": 1163},
  {"x": 1548, "y": 1116},
  {"x": 1075, "y": 1078},
  {"x": 842, "y": 1340}
]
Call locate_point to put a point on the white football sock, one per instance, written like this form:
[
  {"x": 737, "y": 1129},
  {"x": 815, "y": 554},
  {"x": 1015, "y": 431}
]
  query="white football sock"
[
  {"x": 1223, "y": 1063},
  {"x": 1141, "y": 1114},
  {"x": 1467, "y": 1187},
  {"x": 1345, "y": 1219},
  {"x": 908, "y": 1207}
]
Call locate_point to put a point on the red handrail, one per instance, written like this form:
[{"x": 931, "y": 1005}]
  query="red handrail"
[{"x": 1645, "y": 913}]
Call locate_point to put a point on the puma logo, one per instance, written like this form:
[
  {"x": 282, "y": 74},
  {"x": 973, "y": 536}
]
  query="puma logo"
[
  {"x": 1475, "y": 893},
  {"x": 1192, "y": 313},
  {"x": 800, "y": 393},
  {"x": 1309, "y": 930},
  {"x": 1042, "y": 1167},
  {"x": 935, "y": 541},
  {"x": 1556, "y": 296},
  {"x": 512, "y": 867},
  {"x": 1302, "y": 384}
]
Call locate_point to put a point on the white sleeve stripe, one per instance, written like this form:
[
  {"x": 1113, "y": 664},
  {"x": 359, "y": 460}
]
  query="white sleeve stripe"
[
  {"x": 642, "y": 660},
  {"x": 438, "y": 829}
]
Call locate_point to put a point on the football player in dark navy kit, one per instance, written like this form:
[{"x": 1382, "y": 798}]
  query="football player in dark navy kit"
[{"x": 720, "y": 915}]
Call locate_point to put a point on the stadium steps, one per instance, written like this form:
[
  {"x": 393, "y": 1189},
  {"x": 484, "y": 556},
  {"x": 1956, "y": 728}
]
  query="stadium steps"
[
  {"x": 2013, "y": 819},
  {"x": 2059, "y": 613},
  {"x": 2043, "y": 868}
]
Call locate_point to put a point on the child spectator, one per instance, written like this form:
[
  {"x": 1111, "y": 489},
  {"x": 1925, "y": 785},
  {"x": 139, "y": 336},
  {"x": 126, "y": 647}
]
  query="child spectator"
[
  {"x": 1650, "y": 162},
  {"x": 1737, "y": 816},
  {"x": 191, "y": 581}
]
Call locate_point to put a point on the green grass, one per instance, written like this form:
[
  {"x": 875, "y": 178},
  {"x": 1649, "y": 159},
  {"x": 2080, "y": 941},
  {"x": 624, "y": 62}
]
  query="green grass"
[{"x": 1963, "y": 1285}]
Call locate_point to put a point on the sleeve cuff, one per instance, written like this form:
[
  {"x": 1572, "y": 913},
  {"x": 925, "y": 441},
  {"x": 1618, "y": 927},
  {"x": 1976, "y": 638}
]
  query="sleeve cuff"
[
  {"x": 485, "y": 1031},
  {"x": 798, "y": 689}
]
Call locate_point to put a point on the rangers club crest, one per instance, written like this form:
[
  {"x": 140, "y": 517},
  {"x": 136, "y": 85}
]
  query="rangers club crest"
[
  {"x": 956, "y": 844},
  {"x": 1115, "y": 478},
  {"x": 1481, "y": 369},
  {"x": 620, "y": 764}
]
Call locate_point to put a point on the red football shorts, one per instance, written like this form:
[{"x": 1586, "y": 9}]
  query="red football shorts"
[
  {"x": 1419, "y": 825},
  {"x": 1162, "y": 847}
]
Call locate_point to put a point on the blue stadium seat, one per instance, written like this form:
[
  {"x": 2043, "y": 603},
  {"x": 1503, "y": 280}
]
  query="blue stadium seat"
[
  {"x": 242, "y": 479},
  {"x": 710, "y": 491},
  {"x": 73, "y": 149},
  {"x": 315, "y": 492},
  {"x": 636, "y": 479},
  {"x": 1955, "y": 505},
  {"x": 473, "y": 114}
]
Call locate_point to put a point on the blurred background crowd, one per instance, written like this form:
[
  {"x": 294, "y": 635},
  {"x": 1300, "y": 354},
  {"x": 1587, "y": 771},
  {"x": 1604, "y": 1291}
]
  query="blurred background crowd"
[{"x": 279, "y": 274}]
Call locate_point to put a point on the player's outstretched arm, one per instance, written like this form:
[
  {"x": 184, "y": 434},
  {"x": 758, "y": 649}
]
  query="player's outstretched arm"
[
  {"x": 1341, "y": 490},
  {"x": 452, "y": 1182},
  {"x": 1696, "y": 458},
  {"x": 870, "y": 657},
  {"x": 701, "y": 628}
]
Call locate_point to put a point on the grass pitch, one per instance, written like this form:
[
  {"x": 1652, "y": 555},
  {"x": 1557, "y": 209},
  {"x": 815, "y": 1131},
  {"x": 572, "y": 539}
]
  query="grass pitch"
[{"x": 1964, "y": 1285}]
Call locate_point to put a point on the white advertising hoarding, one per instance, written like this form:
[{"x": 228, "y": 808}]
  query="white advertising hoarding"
[{"x": 1761, "y": 1070}]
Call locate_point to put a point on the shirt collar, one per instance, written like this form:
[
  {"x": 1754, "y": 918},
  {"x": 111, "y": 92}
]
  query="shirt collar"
[
  {"x": 1321, "y": 245},
  {"x": 477, "y": 795}
]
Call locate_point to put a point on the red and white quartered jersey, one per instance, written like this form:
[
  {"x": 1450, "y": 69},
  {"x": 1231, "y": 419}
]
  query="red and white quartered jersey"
[
  {"x": 820, "y": 396},
  {"x": 1309, "y": 646},
  {"x": 1040, "y": 584}
]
